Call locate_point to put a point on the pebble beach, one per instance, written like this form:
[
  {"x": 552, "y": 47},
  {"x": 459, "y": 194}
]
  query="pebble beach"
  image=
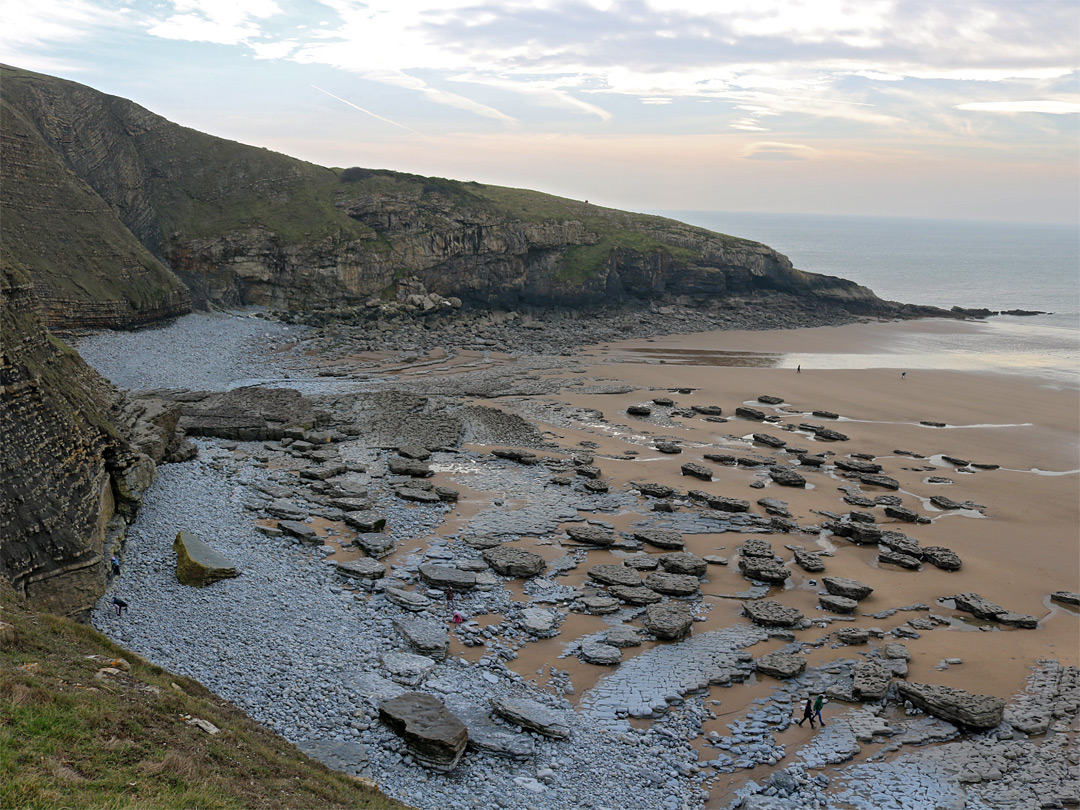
[{"x": 629, "y": 719}]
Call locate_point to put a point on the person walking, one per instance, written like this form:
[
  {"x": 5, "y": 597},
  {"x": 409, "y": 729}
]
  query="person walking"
[
  {"x": 798, "y": 369},
  {"x": 115, "y": 565},
  {"x": 808, "y": 713},
  {"x": 903, "y": 375},
  {"x": 818, "y": 704}
]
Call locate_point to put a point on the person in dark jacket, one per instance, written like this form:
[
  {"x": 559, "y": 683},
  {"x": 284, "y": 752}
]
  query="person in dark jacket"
[
  {"x": 808, "y": 713},
  {"x": 818, "y": 704}
]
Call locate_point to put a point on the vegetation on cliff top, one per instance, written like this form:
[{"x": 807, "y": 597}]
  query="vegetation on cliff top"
[{"x": 78, "y": 730}]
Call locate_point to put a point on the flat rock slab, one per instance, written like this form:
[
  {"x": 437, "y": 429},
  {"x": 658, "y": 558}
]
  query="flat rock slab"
[
  {"x": 600, "y": 605},
  {"x": 198, "y": 565},
  {"x": 408, "y": 466},
  {"x": 768, "y": 613},
  {"x": 364, "y": 568},
  {"x": 366, "y": 521},
  {"x": 978, "y": 606},
  {"x": 443, "y": 577},
  {"x": 594, "y": 651},
  {"x": 510, "y": 561},
  {"x": 954, "y": 705},
  {"x": 870, "y": 681},
  {"x": 670, "y": 448},
  {"x": 774, "y": 506},
  {"x": 531, "y": 715},
  {"x": 897, "y": 558},
  {"x": 1066, "y": 597},
  {"x": 408, "y": 669},
  {"x": 434, "y": 736},
  {"x": 851, "y": 588},
  {"x": 671, "y": 584},
  {"x": 642, "y": 562},
  {"x": 750, "y": 413},
  {"x": 853, "y": 635},
  {"x": 668, "y": 620},
  {"x": 301, "y": 531},
  {"x": 408, "y": 600},
  {"x": 591, "y": 535},
  {"x": 486, "y": 735},
  {"x": 683, "y": 562},
  {"x": 883, "y": 481},
  {"x": 417, "y": 495},
  {"x": 538, "y": 621},
  {"x": 780, "y": 664},
  {"x": 482, "y": 541},
  {"x": 622, "y": 636},
  {"x": 837, "y": 604},
  {"x": 655, "y": 490},
  {"x": 635, "y": 595},
  {"x": 425, "y": 636},
  {"x": 615, "y": 574},
  {"x": 661, "y": 538},
  {"x": 768, "y": 441},
  {"x": 374, "y": 544},
  {"x": 756, "y": 547}
]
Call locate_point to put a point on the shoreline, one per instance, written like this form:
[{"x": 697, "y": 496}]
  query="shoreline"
[{"x": 882, "y": 413}]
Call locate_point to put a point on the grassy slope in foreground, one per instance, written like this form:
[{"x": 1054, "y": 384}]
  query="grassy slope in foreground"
[{"x": 69, "y": 739}]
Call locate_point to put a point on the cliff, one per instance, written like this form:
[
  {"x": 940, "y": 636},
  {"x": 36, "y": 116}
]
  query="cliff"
[
  {"x": 68, "y": 478},
  {"x": 142, "y": 203}
]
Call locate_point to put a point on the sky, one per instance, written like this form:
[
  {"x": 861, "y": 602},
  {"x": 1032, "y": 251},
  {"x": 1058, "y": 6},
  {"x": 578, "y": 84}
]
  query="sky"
[{"x": 947, "y": 109}]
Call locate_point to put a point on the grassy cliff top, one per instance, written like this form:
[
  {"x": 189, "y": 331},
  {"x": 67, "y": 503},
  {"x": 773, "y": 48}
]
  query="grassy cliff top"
[{"x": 86, "y": 723}]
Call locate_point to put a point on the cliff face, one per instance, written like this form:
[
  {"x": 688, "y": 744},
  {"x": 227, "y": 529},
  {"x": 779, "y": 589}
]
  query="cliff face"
[
  {"x": 68, "y": 480},
  {"x": 243, "y": 225}
]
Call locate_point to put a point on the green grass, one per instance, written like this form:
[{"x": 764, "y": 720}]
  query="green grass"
[{"x": 71, "y": 740}]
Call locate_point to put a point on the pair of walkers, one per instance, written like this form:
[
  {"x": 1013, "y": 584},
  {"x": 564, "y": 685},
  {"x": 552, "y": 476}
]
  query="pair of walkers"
[{"x": 812, "y": 709}]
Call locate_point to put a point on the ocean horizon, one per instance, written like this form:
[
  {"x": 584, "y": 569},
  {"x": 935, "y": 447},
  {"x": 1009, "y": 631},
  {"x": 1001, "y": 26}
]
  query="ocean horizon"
[{"x": 943, "y": 263}]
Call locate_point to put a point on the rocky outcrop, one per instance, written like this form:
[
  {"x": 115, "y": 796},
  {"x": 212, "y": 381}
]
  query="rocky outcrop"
[
  {"x": 198, "y": 564},
  {"x": 69, "y": 477},
  {"x": 954, "y": 705}
]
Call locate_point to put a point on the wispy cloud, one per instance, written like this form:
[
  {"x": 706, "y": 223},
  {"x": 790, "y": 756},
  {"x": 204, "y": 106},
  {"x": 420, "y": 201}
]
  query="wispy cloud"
[
  {"x": 1052, "y": 107},
  {"x": 221, "y": 22}
]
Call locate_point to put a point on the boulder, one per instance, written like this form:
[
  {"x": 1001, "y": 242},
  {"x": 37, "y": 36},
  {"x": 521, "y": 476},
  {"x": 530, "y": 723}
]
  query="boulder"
[
  {"x": 871, "y": 680},
  {"x": 516, "y": 454},
  {"x": 829, "y": 435},
  {"x": 851, "y": 588},
  {"x": 591, "y": 535},
  {"x": 750, "y": 413},
  {"x": 853, "y": 635},
  {"x": 443, "y": 577},
  {"x": 483, "y": 541},
  {"x": 594, "y": 651},
  {"x": 655, "y": 490},
  {"x": 434, "y": 736},
  {"x": 447, "y": 495},
  {"x": 668, "y": 620},
  {"x": 941, "y": 502},
  {"x": 588, "y": 471},
  {"x": 615, "y": 574},
  {"x": 767, "y": 440},
  {"x": 903, "y": 513},
  {"x": 408, "y": 466},
  {"x": 763, "y": 569},
  {"x": 856, "y": 466},
  {"x": 826, "y": 415},
  {"x": 671, "y": 448},
  {"x": 639, "y": 410},
  {"x": 425, "y": 636},
  {"x": 780, "y": 664},
  {"x": 351, "y": 504},
  {"x": 600, "y": 605},
  {"x": 944, "y": 558},
  {"x": 537, "y": 621},
  {"x": 768, "y": 613},
  {"x": 408, "y": 669},
  {"x": 510, "y": 561},
  {"x": 197, "y": 564},
  {"x": 897, "y": 650},
  {"x": 728, "y": 504},
  {"x": 897, "y": 558},
  {"x": 413, "y": 451},
  {"x": 809, "y": 561},
  {"x": 661, "y": 538},
  {"x": 773, "y": 506},
  {"x": 364, "y": 568},
  {"x": 671, "y": 584},
  {"x": 811, "y": 460},
  {"x": 374, "y": 544},
  {"x": 757, "y": 547},
  {"x": 837, "y": 604},
  {"x": 490, "y": 737},
  {"x": 635, "y": 595},
  {"x": 697, "y": 471},
  {"x": 683, "y": 562},
  {"x": 596, "y": 486},
  {"x": 955, "y": 705},
  {"x": 417, "y": 495},
  {"x": 1066, "y": 597},
  {"x": 642, "y": 562},
  {"x": 1023, "y": 620},
  {"x": 879, "y": 481},
  {"x": 707, "y": 410},
  {"x": 531, "y": 715},
  {"x": 768, "y": 399},
  {"x": 786, "y": 477}
]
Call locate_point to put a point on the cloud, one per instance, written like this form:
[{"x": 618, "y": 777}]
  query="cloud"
[
  {"x": 1052, "y": 107},
  {"x": 29, "y": 31},
  {"x": 220, "y": 22},
  {"x": 777, "y": 150}
]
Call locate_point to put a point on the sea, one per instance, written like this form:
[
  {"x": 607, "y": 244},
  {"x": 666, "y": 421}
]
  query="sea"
[{"x": 943, "y": 263}]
